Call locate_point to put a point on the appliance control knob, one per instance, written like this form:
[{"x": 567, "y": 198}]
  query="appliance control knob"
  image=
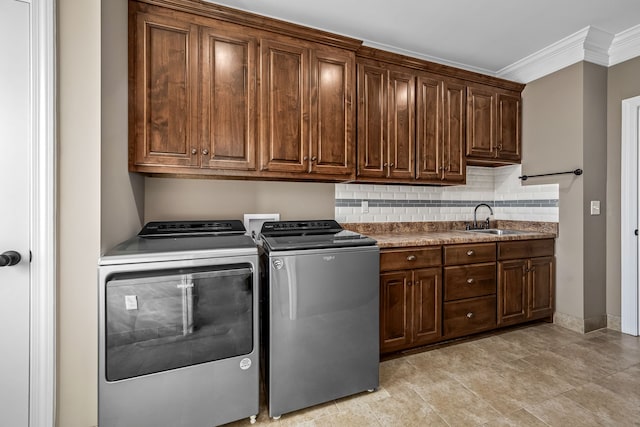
[{"x": 278, "y": 264}]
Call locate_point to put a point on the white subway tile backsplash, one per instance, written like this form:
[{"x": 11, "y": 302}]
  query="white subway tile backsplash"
[{"x": 500, "y": 187}]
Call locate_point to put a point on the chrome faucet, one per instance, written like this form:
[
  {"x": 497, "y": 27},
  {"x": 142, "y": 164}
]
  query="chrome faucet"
[{"x": 475, "y": 212}]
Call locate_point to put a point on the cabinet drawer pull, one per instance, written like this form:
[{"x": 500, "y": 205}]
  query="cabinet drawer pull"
[
  {"x": 470, "y": 315},
  {"x": 470, "y": 280},
  {"x": 411, "y": 258},
  {"x": 470, "y": 252}
]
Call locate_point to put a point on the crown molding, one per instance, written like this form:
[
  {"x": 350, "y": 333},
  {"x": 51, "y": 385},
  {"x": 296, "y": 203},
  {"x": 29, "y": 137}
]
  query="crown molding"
[
  {"x": 589, "y": 44},
  {"x": 625, "y": 46},
  {"x": 429, "y": 58}
]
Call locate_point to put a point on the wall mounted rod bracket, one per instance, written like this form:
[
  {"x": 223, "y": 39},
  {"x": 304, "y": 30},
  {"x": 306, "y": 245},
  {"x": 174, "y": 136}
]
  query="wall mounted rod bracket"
[{"x": 575, "y": 172}]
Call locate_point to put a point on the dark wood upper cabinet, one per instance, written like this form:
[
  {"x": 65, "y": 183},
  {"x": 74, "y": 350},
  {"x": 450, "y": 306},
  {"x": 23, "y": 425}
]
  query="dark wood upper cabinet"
[
  {"x": 481, "y": 122},
  {"x": 228, "y": 99},
  {"x": 332, "y": 112},
  {"x": 493, "y": 125},
  {"x": 401, "y": 125},
  {"x": 440, "y": 131},
  {"x": 164, "y": 91},
  {"x": 453, "y": 152},
  {"x": 307, "y": 111},
  {"x": 284, "y": 110},
  {"x": 508, "y": 126},
  {"x": 372, "y": 121},
  {"x": 429, "y": 129},
  {"x": 411, "y": 124},
  {"x": 224, "y": 97},
  {"x": 215, "y": 91}
]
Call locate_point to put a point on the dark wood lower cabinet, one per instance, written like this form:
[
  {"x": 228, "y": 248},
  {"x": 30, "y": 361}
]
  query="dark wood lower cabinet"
[
  {"x": 469, "y": 316},
  {"x": 525, "y": 285},
  {"x": 478, "y": 288},
  {"x": 410, "y": 297},
  {"x": 410, "y": 308}
]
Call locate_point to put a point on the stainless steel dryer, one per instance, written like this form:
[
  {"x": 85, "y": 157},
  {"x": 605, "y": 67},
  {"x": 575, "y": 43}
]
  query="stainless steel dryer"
[
  {"x": 320, "y": 313},
  {"x": 178, "y": 327}
]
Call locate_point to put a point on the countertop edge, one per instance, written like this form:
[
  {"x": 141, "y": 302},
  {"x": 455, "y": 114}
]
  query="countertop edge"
[{"x": 403, "y": 240}]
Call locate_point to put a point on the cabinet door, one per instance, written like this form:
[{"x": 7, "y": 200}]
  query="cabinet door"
[
  {"x": 541, "y": 287},
  {"x": 427, "y": 305},
  {"x": 481, "y": 122},
  {"x": 512, "y": 291},
  {"x": 372, "y": 121},
  {"x": 453, "y": 151},
  {"x": 284, "y": 109},
  {"x": 401, "y": 125},
  {"x": 228, "y": 109},
  {"x": 394, "y": 310},
  {"x": 332, "y": 113},
  {"x": 164, "y": 96},
  {"x": 429, "y": 129},
  {"x": 508, "y": 126}
]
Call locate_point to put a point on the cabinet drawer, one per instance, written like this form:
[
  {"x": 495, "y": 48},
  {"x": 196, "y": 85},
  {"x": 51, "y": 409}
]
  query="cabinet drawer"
[
  {"x": 469, "y": 254},
  {"x": 469, "y": 316},
  {"x": 405, "y": 259},
  {"x": 525, "y": 249},
  {"x": 468, "y": 281}
]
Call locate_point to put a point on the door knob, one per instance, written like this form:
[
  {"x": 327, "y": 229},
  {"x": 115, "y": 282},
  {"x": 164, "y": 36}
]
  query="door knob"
[{"x": 9, "y": 258}]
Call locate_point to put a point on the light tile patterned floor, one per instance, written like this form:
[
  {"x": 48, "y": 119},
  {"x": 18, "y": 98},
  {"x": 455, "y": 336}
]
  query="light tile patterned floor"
[{"x": 539, "y": 375}]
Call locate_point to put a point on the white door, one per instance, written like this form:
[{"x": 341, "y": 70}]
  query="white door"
[
  {"x": 15, "y": 147},
  {"x": 630, "y": 304}
]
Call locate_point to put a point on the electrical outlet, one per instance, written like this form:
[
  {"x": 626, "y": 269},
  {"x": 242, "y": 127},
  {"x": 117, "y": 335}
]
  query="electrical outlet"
[
  {"x": 595, "y": 207},
  {"x": 365, "y": 206}
]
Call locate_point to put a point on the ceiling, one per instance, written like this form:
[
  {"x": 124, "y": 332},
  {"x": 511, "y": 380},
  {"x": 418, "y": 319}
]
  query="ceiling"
[{"x": 487, "y": 36}]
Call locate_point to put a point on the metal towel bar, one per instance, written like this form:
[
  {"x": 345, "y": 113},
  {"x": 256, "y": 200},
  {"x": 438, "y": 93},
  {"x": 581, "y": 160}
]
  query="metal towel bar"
[{"x": 575, "y": 172}]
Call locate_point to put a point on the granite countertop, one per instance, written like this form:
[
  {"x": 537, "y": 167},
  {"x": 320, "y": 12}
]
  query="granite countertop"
[{"x": 390, "y": 235}]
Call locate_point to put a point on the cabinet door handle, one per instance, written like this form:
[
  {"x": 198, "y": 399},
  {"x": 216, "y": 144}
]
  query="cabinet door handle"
[
  {"x": 408, "y": 283},
  {"x": 194, "y": 151},
  {"x": 305, "y": 158},
  {"x": 470, "y": 252},
  {"x": 391, "y": 165},
  {"x": 314, "y": 158},
  {"x": 470, "y": 315},
  {"x": 385, "y": 165},
  {"x": 470, "y": 280},
  {"x": 411, "y": 258},
  {"x": 205, "y": 151}
]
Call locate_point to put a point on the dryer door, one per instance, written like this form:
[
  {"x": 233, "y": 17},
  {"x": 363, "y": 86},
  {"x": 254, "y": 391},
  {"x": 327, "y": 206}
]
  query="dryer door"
[{"x": 167, "y": 319}]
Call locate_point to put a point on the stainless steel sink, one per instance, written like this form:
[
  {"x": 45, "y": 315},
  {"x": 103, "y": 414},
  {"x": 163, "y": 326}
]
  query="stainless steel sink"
[{"x": 497, "y": 231}]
